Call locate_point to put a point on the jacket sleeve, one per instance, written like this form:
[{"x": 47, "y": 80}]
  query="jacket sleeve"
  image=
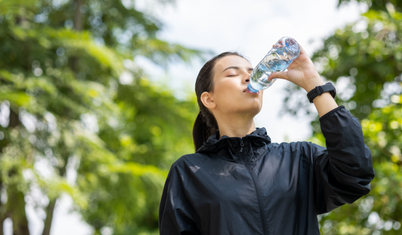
[
  {"x": 343, "y": 171},
  {"x": 176, "y": 214}
]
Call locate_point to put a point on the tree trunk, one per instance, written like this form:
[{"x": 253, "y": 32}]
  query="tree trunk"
[
  {"x": 49, "y": 217},
  {"x": 52, "y": 204},
  {"x": 2, "y": 210},
  {"x": 78, "y": 26},
  {"x": 15, "y": 205},
  {"x": 16, "y": 202},
  {"x": 78, "y": 15},
  {"x": 16, "y": 198},
  {"x": 14, "y": 119}
]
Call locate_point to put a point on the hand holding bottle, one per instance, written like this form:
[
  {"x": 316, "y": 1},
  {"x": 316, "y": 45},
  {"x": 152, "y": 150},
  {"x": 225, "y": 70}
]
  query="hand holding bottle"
[{"x": 301, "y": 72}]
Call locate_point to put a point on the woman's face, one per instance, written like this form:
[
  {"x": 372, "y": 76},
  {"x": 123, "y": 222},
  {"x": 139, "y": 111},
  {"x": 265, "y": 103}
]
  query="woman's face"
[{"x": 230, "y": 93}]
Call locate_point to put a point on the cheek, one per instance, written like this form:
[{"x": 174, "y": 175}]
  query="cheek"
[{"x": 224, "y": 89}]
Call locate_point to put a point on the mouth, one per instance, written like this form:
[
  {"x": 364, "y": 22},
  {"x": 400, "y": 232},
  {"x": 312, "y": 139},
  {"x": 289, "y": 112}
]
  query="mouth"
[{"x": 250, "y": 92}]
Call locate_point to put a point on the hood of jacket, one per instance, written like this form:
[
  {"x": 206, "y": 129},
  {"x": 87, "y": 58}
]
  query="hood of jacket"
[{"x": 233, "y": 148}]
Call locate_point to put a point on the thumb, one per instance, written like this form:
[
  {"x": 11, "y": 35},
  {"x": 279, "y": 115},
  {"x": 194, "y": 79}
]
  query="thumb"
[{"x": 280, "y": 75}]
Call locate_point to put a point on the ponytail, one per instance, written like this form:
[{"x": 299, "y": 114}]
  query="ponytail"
[
  {"x": 200, "y": 131},
  {"x": 203, "y": 129},
  {"x": 205, "y": 123}
]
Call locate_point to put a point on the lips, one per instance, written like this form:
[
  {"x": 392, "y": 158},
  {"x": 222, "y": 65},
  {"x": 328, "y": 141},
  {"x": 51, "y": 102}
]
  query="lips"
[{"x": 248, "y": 91}]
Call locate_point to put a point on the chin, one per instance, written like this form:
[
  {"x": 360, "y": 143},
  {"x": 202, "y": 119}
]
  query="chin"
[
  {"x": 256, "y": 106},
  {"x": 255, "y": 109}
]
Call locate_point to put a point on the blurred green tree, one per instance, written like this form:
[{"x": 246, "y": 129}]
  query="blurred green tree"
[
  {"x": 78, "y": 116},
  {"x": 364, "y": 60}
]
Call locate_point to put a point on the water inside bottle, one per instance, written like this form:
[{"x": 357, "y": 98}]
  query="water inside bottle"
[
  {"x": 272, "y": 63},
  {"x": 277, "y": 60}
]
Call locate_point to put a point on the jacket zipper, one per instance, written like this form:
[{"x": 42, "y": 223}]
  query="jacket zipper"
[{"x": 256, "y": 189}]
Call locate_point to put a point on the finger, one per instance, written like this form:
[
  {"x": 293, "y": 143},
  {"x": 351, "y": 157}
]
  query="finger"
[
  {"x": 280, "y": 75},
  {"x": 299, "y": 60},
  {"x": 302, "y": 51}
]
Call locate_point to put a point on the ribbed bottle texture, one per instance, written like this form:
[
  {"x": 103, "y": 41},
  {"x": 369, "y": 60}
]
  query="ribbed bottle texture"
[{"x": 277, "y": 59}]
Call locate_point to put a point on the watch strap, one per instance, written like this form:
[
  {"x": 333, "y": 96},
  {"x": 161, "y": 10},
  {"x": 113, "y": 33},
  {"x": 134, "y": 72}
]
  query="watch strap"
[{"x": 318, "y": 90}]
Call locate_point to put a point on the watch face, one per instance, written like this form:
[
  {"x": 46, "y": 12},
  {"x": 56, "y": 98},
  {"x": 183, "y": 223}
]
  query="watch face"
[{"x": 333, "y": 89}]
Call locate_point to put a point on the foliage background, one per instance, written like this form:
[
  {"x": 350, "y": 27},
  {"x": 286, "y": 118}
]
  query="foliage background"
[
  {"x": 364, "y": 60},
  {"x": 75, "y": 101},
  {"x": 80, "y": 117}
]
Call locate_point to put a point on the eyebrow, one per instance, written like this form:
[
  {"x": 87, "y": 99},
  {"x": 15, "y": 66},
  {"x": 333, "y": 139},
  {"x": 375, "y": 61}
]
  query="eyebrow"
[{"x": 237, "y": 68}]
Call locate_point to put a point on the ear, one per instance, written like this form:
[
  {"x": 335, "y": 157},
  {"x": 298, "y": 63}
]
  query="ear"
[{"x": 207, "y": 100}]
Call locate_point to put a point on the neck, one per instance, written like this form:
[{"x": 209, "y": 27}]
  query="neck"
[{"x": 235, "y": 126}]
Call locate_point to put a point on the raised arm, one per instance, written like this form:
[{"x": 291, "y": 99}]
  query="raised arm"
[
  {"x": 342, "y": 171},
  {"x": 303, "y": 73}
]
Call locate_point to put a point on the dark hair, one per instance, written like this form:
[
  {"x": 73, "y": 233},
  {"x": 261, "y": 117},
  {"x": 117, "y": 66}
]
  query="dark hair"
[{"x": 205, "y": 123}]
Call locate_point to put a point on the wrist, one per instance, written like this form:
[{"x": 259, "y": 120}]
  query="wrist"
[
  {"x": 313, "y": 83},
  {"x": 324, "y": 104}
]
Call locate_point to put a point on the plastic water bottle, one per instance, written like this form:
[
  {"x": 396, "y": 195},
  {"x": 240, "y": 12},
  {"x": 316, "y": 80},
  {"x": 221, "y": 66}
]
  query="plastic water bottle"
[{"x": 277, "y": 59}]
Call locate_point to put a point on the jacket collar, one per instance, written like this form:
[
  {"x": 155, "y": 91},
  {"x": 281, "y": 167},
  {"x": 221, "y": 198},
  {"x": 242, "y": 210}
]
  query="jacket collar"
[{"x": 257, "y": 138}]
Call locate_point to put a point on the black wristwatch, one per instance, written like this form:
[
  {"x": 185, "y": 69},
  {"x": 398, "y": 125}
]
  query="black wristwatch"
[{"x": 318, "y": 90}]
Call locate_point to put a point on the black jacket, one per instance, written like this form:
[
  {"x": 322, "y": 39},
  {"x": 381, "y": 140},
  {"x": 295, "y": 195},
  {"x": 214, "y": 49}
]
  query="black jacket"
[{"x": 250, "y": 186}]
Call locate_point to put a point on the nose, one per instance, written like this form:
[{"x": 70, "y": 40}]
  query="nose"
[{"x": 247, "y": 78}]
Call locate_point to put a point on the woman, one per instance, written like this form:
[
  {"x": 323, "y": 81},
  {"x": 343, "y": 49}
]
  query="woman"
[{"x": 238, "y": 182}]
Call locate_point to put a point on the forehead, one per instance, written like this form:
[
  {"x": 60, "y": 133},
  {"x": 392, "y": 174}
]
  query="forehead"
[{"x": 231, "y": 60}]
